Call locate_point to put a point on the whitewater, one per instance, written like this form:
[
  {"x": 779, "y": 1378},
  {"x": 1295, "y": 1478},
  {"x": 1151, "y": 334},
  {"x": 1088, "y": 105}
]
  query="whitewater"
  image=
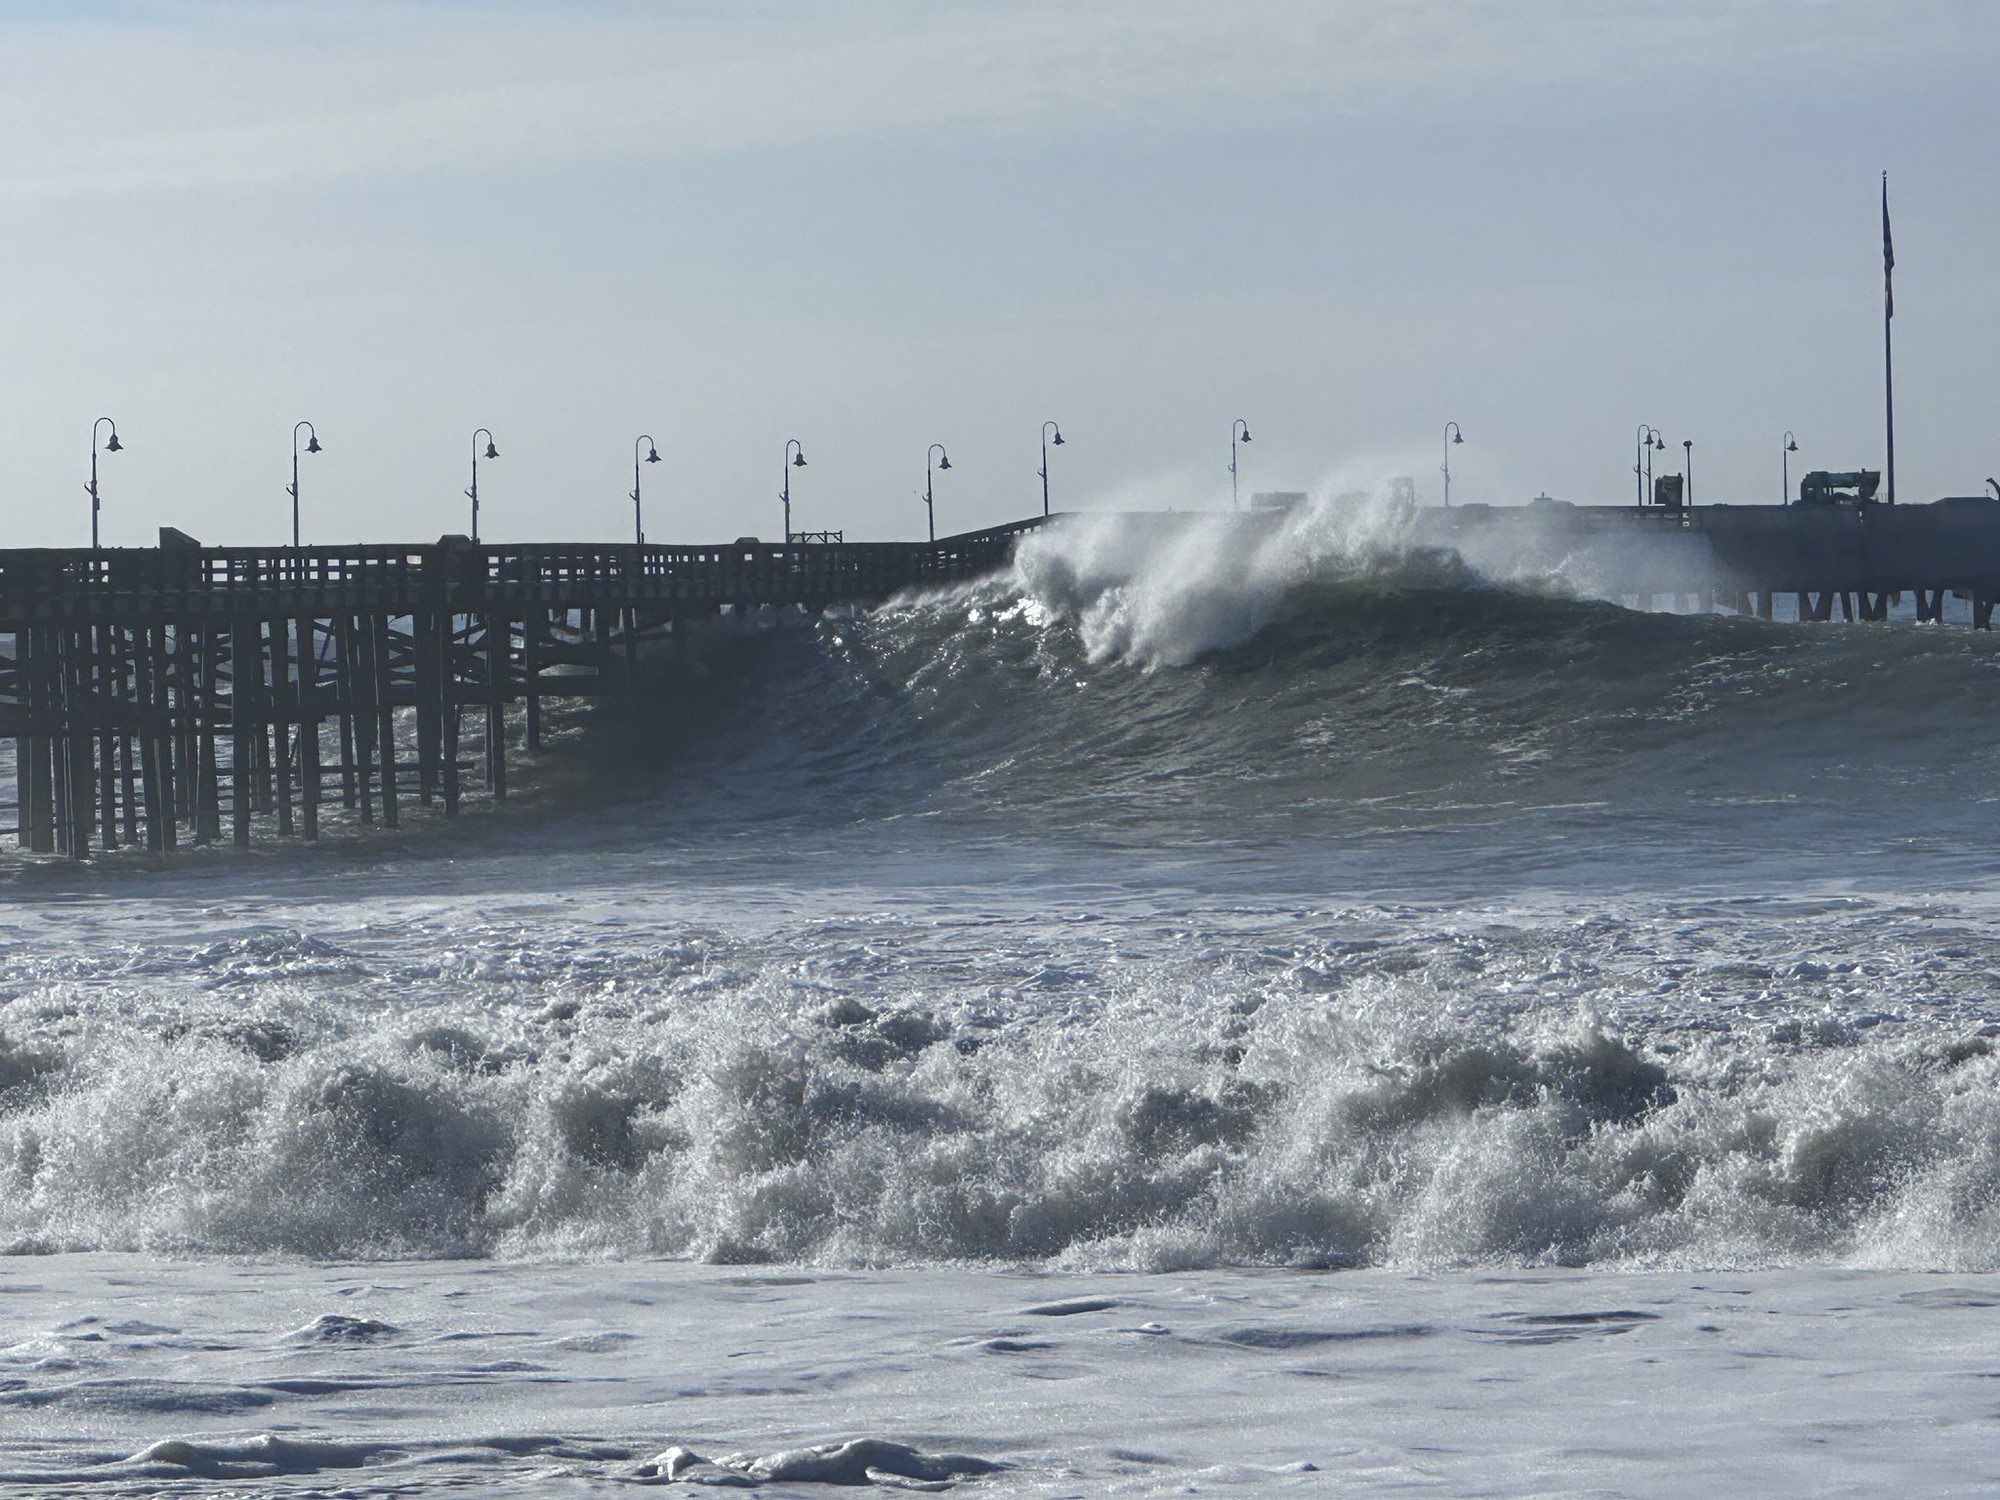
[{"x": 1218, "y": 1008}]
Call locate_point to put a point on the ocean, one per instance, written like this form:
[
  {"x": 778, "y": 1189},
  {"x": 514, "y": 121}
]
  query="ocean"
[{"x": 1214, "y": 1009}]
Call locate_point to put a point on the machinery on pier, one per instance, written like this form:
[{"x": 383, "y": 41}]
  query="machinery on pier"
[{"x": 1843, "y": 487}]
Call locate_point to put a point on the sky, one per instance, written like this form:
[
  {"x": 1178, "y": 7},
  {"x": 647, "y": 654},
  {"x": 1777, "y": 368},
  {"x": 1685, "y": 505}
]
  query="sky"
[{"x": 873, "y": 226}]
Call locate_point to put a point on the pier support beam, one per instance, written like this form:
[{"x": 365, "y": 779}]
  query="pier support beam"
[
  {"x": 385, "y": 717},
  {"x": 307, "y": 714},
  {"x": 499, "y": 637},
  {"x": 243, "y": 654}
]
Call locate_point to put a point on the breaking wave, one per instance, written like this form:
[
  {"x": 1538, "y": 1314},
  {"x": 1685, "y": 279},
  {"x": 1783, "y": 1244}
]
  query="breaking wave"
[{"x": 1153, "y": 683}]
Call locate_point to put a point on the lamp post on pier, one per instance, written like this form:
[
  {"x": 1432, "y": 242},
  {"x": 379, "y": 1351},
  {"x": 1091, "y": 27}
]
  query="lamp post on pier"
[
  {"x": 1239, "y": 432},
  {"x": 792, "y": 461},
  {"x": 944, "y": 462},
  {"x": 1785, "y": 468},
  {"x": 652, "y": 457},
  {"x": 111, "y": 447},
  {"x": 312, "y": 446},
  {"x": 1045, "y": 461},
  {"x": 1687, "y": 451},
  {"x": 473, "y": 493},
  {"x": 1642, "y": 456},
  {"x": 1451, "y": 435}
]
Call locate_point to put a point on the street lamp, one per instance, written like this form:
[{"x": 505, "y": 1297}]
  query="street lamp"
[
  {"x": 1235, "y": 437},
  {"x": 1996, "y": 487},
  {"x": 1649, "y": 439},
  {"x": 944, "y": 462},
  {"x": 312, "y": 446},
  {"x": 473, "y": 493},
  {"x": 652, "y": 457},
  {"x": 1785, "y": 468},
  {"x": 1451, "y": 435},
  {"x": 1045, "y": 461},
  {"x": 792, "y": 462},
  {"x": 1687, "y": 496},
  {"x": 91, "y": 489}
]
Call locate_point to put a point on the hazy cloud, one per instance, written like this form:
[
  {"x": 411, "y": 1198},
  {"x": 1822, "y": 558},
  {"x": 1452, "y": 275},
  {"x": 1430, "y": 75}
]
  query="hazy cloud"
[{"x": 243, "y": 95}]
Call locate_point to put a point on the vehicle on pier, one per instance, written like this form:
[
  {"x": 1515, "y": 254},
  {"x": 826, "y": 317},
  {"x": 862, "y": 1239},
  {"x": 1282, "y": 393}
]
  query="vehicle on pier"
[{"x": 1840, "y": 487}]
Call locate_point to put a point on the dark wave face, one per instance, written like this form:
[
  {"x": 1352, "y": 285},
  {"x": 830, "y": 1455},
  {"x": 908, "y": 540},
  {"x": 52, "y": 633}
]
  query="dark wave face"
[{"x": 1325, "y": 710}]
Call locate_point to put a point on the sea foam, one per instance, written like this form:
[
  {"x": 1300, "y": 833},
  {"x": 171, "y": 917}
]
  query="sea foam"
[{"x": 1187, "y": 1116}]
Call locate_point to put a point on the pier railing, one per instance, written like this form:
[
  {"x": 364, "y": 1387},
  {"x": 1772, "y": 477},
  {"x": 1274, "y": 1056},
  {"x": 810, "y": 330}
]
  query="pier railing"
[{"x": 129, "y": 583}]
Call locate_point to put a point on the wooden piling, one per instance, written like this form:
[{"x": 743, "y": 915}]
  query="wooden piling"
[
  {"x": 43, "y": 711},
  {"x": 534, "y": 630},
  {"x": 308, "y": 717},
  {"x": 448, "y": 717},
  {"x": 345, "y": 709},
  {"x": 424, "y": 628},
  {"x": 385, "y": 718},
  {"x": 95, "y": 672},
  {"x": 242, "y": 658},
  {"x": 283, "y": 718},
  {"x": 156, "y": 743},
  {"x": 132, "y": 709},
  {"x": 358, "y": 736},
  {"x": 498, "y": 640}
]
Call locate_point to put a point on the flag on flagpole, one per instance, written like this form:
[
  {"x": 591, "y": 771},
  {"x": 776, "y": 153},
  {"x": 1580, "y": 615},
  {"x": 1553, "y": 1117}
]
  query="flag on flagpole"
[{"x": 1888, "y": 255}]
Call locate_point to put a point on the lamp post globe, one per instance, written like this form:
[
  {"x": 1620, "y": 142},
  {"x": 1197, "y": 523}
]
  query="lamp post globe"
[
  {"x": 652, "y": 456},
  {"x": 792, "y": 461},
  {"x": 1642, "y": 460},
  {"x": 1047, "y": 428},
  {"x": 472, "y": 494},
  {"x": 312, "y": 446},
  {"x": 114, "y": 446},
  {"x": 1239, "y": 432},
  {"x": 930, "y": 504}
]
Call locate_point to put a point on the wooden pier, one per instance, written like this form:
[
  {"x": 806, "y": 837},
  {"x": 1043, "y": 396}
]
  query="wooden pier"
[{"x": 156, "y": 695}]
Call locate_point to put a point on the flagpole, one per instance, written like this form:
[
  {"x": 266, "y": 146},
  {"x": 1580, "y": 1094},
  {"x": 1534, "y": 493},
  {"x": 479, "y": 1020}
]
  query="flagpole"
[{"x": 1888, "y": 337}]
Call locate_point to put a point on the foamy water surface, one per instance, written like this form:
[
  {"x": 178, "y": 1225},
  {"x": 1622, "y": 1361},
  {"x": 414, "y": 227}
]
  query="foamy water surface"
[{"x": 1426, "y": 1011}]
